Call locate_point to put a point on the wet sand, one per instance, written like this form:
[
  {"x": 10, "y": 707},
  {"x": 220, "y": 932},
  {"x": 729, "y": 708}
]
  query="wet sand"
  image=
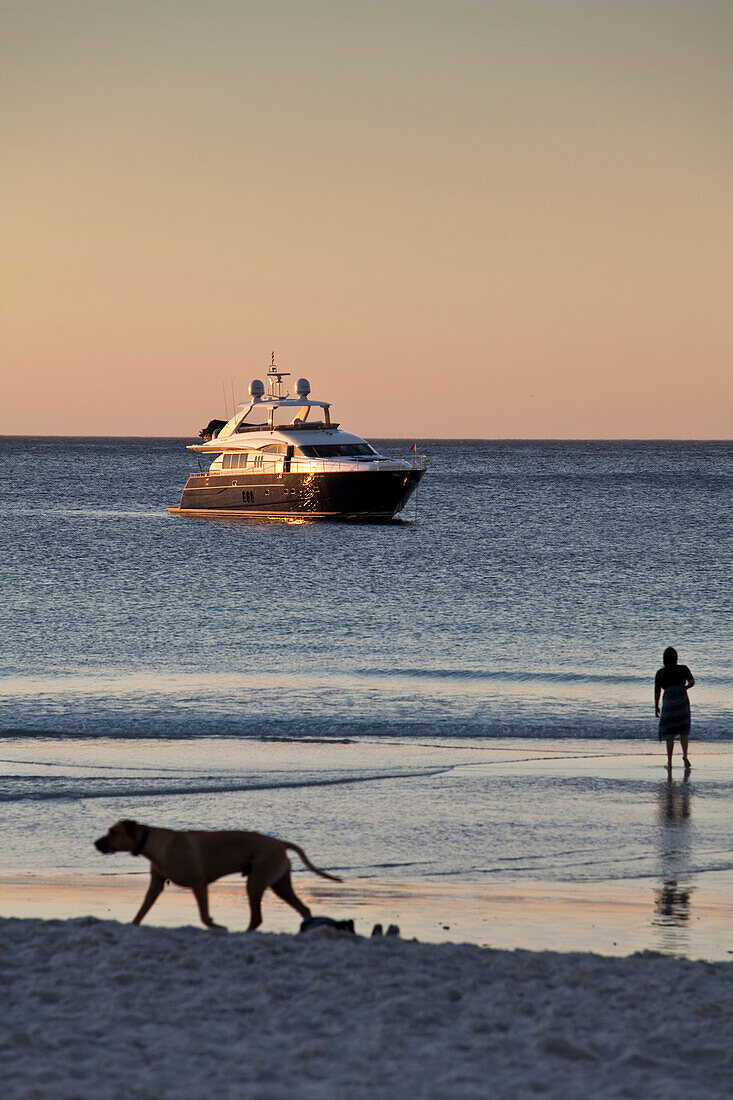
[{"x": 608, "y": 918}]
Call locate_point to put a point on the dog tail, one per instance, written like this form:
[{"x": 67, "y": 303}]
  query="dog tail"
[{"x": 309, "y": 865}]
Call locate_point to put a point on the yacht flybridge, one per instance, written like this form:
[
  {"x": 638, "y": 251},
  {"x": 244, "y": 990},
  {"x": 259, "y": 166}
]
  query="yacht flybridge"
[{"x": 284, "y": 457}]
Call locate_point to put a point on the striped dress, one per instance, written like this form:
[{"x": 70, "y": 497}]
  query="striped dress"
[{"x": 675, "y": 717}]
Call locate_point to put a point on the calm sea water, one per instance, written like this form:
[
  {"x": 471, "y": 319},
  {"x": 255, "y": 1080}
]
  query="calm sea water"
[
  {"x": 529, "y": 592},
  {"x": 465, "y": 692}
]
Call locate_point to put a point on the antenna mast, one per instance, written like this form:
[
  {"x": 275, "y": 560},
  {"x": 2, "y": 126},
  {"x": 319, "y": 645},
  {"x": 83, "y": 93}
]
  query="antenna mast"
[{"x": 275, "y": 378}]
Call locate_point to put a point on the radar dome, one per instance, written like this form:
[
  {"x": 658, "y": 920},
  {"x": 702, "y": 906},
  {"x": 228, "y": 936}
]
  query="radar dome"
[
  {"x": 302, "y": 387},
  {"x": 256, "y": 388}
]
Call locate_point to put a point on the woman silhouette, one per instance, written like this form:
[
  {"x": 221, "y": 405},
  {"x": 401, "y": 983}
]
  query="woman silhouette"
[{"x": 673, "y": 680}]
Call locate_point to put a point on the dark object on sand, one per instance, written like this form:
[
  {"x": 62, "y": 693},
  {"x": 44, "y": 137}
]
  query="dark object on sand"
[
  {"x": 196, "y": 857},
  {"x": 393, "y": 930},
  {"x": 327, "y": 922}
]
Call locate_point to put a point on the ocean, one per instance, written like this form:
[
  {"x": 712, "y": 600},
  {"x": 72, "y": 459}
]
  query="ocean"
[
  {"x": 407, "y": 696},
  {"x": 529, "y": 591}
]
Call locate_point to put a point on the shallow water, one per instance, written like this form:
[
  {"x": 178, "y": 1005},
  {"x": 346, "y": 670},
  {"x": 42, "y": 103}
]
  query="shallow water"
[{"x": 476, "y": 810}]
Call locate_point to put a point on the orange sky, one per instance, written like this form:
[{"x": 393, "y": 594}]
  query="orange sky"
[{"x": 518, "y": 212}]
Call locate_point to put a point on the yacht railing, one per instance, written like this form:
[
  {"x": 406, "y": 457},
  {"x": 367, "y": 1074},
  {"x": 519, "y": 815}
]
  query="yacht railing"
[
  {"x": 275, "y": 464},
  {"x": 354, "y": 465}
]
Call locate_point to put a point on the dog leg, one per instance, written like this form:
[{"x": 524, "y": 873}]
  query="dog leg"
[
  {"x": 201, "y": 892},
  {"x": 284, "y": 889},
  {"x": 256, "y": 886},
  {"x": 155, "y": 889}
]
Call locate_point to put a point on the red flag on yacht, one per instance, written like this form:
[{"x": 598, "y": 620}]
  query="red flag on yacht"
[{"x": 414, "y": 447}]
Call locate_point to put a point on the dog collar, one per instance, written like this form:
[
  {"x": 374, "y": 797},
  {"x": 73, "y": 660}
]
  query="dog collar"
[{"x": 137, "y": 850}]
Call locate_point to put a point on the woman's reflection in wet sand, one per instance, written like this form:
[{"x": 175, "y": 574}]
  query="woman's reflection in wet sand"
[{"x": 672, "y": 901}]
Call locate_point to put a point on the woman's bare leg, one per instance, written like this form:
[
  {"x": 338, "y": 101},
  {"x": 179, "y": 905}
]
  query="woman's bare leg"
[
  {"x": 670, "y": 750},
  {"x": 684, "y": 742}
]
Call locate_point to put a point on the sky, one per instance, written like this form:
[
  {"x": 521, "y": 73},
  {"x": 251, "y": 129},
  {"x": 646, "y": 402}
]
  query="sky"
[{"x": 456, "y": 219}]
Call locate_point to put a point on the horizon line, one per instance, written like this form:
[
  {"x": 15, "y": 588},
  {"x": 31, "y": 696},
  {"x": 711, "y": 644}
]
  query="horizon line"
[{"x": 426, "y": 439}]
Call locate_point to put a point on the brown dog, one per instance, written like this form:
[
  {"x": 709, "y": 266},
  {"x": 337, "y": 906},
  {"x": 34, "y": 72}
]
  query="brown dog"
[{"x": 197, "y": 857}]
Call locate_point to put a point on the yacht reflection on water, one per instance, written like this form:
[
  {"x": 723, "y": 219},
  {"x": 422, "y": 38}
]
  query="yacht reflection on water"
[{"x": 672, "y": 900}]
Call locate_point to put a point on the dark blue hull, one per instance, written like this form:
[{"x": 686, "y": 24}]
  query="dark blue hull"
[{"x": 373, "y": 494}]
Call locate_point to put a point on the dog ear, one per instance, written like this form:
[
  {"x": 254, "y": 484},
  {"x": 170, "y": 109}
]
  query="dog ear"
[{"x": 130, "y": 827}]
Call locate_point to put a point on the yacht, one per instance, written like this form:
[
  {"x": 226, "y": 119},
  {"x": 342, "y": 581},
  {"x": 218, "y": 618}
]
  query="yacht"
[{"x": 283, "y": 457}]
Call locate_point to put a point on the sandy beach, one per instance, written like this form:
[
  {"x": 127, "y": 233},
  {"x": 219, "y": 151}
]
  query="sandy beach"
[
  {"x": 493, "y": 989},
  {"x": 93, "y": 1008},
  {"x": 573, "y": 940},
  {"x": 505, "y": 985}
]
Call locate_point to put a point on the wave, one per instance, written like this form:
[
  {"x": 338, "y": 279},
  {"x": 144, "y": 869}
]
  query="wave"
[
  {"x": 385, "y": 732},
  {"x": 27, "y": 789},
  {"x": 105, "y": 682},
  {"x": 151, "y": 734},
  {"x": 323, "y": 728},
  {"x": 521, "y": 676}
]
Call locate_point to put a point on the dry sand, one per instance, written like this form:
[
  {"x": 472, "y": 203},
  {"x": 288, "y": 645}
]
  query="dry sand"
[{"x": 102, "y": 1010}]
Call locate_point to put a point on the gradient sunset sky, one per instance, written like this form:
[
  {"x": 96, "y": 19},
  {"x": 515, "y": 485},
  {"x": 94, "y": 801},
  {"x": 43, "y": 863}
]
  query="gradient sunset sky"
[{"x": 457, "y": 219}]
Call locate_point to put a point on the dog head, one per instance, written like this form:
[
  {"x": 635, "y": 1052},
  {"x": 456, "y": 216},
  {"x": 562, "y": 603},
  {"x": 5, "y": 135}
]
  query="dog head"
[{"x": 122, "y": 837}]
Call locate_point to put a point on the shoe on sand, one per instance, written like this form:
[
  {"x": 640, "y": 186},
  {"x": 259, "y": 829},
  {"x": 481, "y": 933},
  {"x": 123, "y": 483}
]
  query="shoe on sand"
[{"x": 327, "y": 922}]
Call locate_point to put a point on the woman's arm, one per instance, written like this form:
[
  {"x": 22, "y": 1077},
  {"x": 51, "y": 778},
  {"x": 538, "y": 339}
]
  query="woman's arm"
[
  {"x": 689, "y": 678},
  {"x": 657, "y": 691}
]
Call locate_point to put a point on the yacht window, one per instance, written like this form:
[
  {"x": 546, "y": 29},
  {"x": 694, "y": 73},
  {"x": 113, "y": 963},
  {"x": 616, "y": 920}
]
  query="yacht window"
[
  {"x": 234, "y": 462},
  {"x": 337, "y": 450},
  {"x": 275, "y": 448}
]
